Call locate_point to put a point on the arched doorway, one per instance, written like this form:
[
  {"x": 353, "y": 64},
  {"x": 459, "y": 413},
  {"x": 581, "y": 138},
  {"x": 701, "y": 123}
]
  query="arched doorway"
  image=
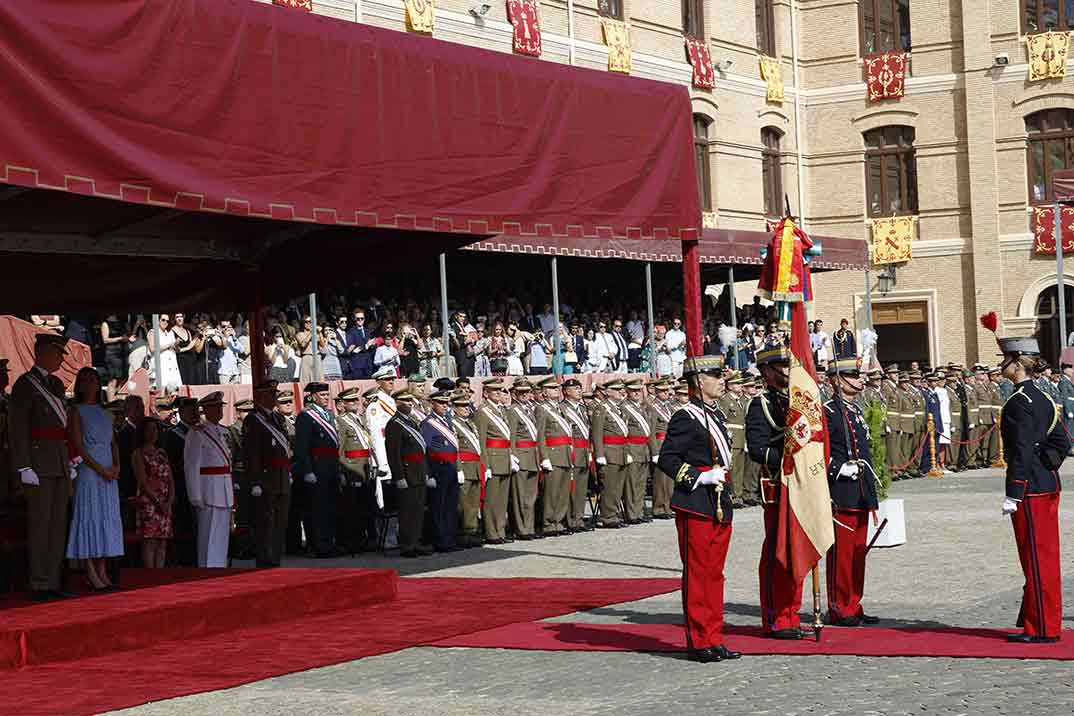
[{"x": 1047, "y": 312}]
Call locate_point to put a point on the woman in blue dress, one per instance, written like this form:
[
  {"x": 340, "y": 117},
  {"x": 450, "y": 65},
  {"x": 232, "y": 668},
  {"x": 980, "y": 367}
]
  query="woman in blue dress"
[{"x": 96, "y": 530}]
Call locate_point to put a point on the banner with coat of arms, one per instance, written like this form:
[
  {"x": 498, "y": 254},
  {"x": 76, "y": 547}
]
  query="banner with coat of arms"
[
  {"x": 617, "y": 37},
  {"x": 419, "y": 16},
  {"x": 1044, "y": 230},
  {"x": 772, "y": 74},
  {"x": 306, "y": 5},
  {"x": 1048, "y": 55},
  {"x": 701, "y": 60},
  {"x": 527, "y": 26},
  {"x": 885, "y": 76},
  {"x": 893, "y": 239}
]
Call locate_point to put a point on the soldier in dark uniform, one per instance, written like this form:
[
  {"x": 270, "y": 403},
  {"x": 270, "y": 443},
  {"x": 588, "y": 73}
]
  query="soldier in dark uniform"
[
  {"x": 244, "y": 508},
  {"x": 852, "y": 485},
  {"x": 405, "y": 448},
  {"x": 182, "y": 511},
  {"x": 355, "y": 530},
  {"x": 267, "y": 451},
  {"x": 317, "y": 464},
  {"x": 443, "y": 477},
  {"x": 932, "y": 407},
  {"x": 697, "y": 454},
  {"x": 781, "y": 594},
  {"x": 1035, "y": 444}
]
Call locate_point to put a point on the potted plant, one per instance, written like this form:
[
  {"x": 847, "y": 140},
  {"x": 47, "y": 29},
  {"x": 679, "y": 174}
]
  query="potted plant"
[{"x": 891, "y": 509}]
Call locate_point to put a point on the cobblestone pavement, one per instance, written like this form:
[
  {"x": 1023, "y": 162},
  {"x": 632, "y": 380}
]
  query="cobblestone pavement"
[{"x": 958, "y": 568}]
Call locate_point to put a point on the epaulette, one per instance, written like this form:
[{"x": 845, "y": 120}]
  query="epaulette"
[{"x": 1018, "y": 392}]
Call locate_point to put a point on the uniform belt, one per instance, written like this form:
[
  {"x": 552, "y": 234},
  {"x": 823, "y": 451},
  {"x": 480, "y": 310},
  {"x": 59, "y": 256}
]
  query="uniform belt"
[
  {"x": 526, "y": 443},
  {"x": 497, "y": 443},
  {"x": 469, "y": 456},
  {"x": 637, "y": 439},
  {"x": 734, "y": 426},
  {"x": 581, "y": 443},
  {"x": 413, "y": 457},
  {"x": 444, "y": 456},
  {"x": 355, "y": 453},
  {"x": 221, "y": 470},
  {"x": 55, "y": 433},
  {"x": 558, "y": 441},
  {"x": 615, "y": 440},
  {"x": 661, "y": 436},
  {"x": 278, "y": 462},
  {"x": 324, "y": 452}
]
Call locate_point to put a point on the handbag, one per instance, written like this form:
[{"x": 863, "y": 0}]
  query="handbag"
[{"x": 499, "y": 365}]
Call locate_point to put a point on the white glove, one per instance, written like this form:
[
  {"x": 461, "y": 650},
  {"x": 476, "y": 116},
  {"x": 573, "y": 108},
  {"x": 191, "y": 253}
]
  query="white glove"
[
  {"x": 400, "y": 484},
  {"x": 656, "y": 459},
  {"x": 514, "y": 464},
  {"x": 849, "y": 469},
  {"x": 256, "y": 490},
  {"x": 430, "y": 482},
  {"x": 629, "y": 459},
  {"x": 602, "y": 461},
  {"x": 462, "y": 477},
  {"x": 72, "y": 471},
  {"x": 488, "y": 473},
  {"x": 29, "y": 477},
  {"x": 310, "y": 478},
  {"x": 1009, "y": 506},
  {"x": 546, "y": 465},
  {"x": 971, "y": 426},
  {"x": 710, "y": 477}
]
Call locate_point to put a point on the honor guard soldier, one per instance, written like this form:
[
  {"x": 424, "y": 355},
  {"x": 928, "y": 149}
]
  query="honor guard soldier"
[
  {"x": 610, "y": 432},
  {"x": 639, "y": 433},
  {"x": 573, "y": 408},
  {"x": 959, "y": 429},
  {"x": 407, "y": 460},
  {"x": 697, "y": 453},
  {"x": 1066, "y": 394},
  {"x": 444, "y": 476},
  {"x": 182, "y": 512},
  {"x": 472, "y": 469},
  {"x": 734, "y": 412},
  {"x": 1034, "y": 444},
  {"x": 852, "y": 485},
  {"x": 751, "y": 472},
  {"x": 207, "y": 463},
  {"x": 555, "y": 435},
  {"x": 659, "y": 413},
  {"x": 377, "y": 414},
  {"x": 525, "y": 463},
  {"x": 355, "y": 528},
  {"x": 317, "y": 462},
  {"x": 907, "y": 425},
  {"x": 495, "y": 436},
  {"x": 267, "y": 453},
  {"x": 781, "y": 594},
  {"x": 930, "y": 406},
  {"x": 38, "y": 435}
]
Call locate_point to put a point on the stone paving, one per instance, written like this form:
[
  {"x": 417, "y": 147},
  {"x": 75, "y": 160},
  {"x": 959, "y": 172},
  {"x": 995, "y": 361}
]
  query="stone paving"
[{"x": 959, "y": 568}]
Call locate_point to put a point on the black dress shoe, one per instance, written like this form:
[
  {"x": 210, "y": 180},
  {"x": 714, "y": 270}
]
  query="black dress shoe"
[
  {"x": 62, "y": 594},
  {"x": 409, "y": 554},
  {"x": 526, "y": 538},
  {"x": 869, "y": 619},
  {"x": 726, "y": 654},
  {"x": 854, "y": 621},
  {"x": 784, "y": 634},
  {"x": 424, "y": 550},
  {"x": 610, "y": 525},
  {"x": 705, "y": 656},
  {"x": 494, "y": 541},
  {"x": 41, "y": 595},
  {"x": 1028, "y": 639}
]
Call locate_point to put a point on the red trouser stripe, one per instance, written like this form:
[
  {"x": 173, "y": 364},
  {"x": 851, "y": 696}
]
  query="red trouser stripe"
[
  {"x": 845, "y": 565},
  {"x": 1036, "y": 531},
  {"x": 781, "y": 595},
  {"x": 703, "y": 546}
]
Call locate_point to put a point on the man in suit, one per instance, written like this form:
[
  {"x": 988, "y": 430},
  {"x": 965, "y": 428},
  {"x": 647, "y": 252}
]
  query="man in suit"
[
  {"x": 622, "y": 349},
  {"x": 406, "y": 451},
  {"x": 360, "y": 345},
  {"x": 317, "y": 464},
  {"x": 461, "y": 346},
  {"x": 267, "y": 449}
]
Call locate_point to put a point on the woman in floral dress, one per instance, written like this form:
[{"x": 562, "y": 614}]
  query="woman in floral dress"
[{"x": 156, "y": 493}]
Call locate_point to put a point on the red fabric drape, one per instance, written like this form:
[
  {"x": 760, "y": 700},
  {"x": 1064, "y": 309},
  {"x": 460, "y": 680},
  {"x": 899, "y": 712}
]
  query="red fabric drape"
[
  {"x": 701, "y": 60},
  {"x": 691, "y": 296},
  {"x": 527, "y": 26},
  {"x": 17, "y": 345}
]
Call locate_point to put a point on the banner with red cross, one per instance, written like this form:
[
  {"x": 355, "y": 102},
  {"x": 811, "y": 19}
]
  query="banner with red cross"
[
  {"x": 523, "y": 17},
  {"x": 701, "y": 60},
  {"x": 885, "y": 76}
]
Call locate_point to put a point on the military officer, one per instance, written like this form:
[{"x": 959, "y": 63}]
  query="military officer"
[
  {"x": 659, "y": 414},
  {"x": 182, "y": 512},
  {"x": 697, "y": 452},
  {"x": 639, "y": 433},
  {"x": 243, "y": 505},
  {"x": 443, "y": 474},
  {"x": 267, "y": 451},
  {"x": 207, "y": 462},
  {"x": 1066, "y": 394},
  {"x": 920, "y": 423},
  {"x": 525, "y": 464},
  {"x": 317, "y": 464},
  {"x": 416, "y": 384},
  {"x": 958, "y": 430},
  {"x": 355, "y": 529},
  {"x": 377, "y": 414},
  {"x": 472, "y": 489},
  {"x": 852, "y": 485},
  {"x": 889, "y": 393},
  {"x": 406, "y": 451},
  {"x": 610, "y": 432},
  {"x": 38, "y": 435},
  {"x": 574, "y": 410},
  {"x": 751, "y": 471},
  {"x": 781, "y": 594},
  {"x": 930, "y": 455},
  {"x": 494, "y": 432},
  {"x": 555, "y": 436},
  {"x": 990, "y": 444},
  {"x": 734, "y": 411}
]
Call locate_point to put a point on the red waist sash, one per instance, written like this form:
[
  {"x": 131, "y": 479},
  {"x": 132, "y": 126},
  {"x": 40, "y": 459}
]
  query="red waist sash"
[
  {"x": 324, "y": 452},
  {"x": 661, "y": 436},
  {"x": 497, "y": 443},
  {"x": 279, "y": 462},
  {"x": 413, "y": 457},
  {"x": 221, "y": 470},
  {"x": 615, "y": 440},
  {"x": 526, "y": 443},
  {"x": 638, "y": 440},
  {"x": 558, "y": 441},
  {"x": 444, "y": 456},
  {"x": 469, "y": 457},
  {"x": 54, "y": 433},
  {"x": 355, "y": 453},
  {"x": 581, "y": 443}
]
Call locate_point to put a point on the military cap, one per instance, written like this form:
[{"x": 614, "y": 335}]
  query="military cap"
[
  {"x": 995, "y": 371},
  {"x": 893, "y": 368},
  {"x": 441, "y": 396},
  {"x": 915, "y": 375},
  {"x": 572, "y": 383},
  {"x": 114, "y": 406},
  {"x": 266, "y": 386},
  {"x": 214, "y": 398},
  {"x": 385, "y": 373},
  {"x": 415, "y": 378},
  {"x": 775, "y": 354},
  {"x": 403, "y": 394},
  {"x": 286, "y": 397},
  {"x": 494, "y": 384},
  {"x": 444, "y": 384},
  {"x": 875, "y": 372},
  {"x": 49, "y": 339},
  {"x": 662, "y": 384},
  {"x": 521, "y": 385},
  {"x": 613, "y": 384},
  {"x": 244, "y": 405},
  {"x": 682, "y": 389},
  {"x": 164, "y": 403},
  {"x": 980, "y": 367},
  {"x": 314, "y": 388},
  {"x": 184, "y": 402},
  {"x": 1019, "y": 345},
  {"x": 588, "y": 395},
  {"x": 463, "y": 384},
  {"x": 458, "y": 399},
  {"x": 904, "y": 376},
  {"x": 370, "y": 393},
  {"x": 844, "y": 366},
  {"x": 598, "y": 388},
  {"x": 696, "y": 365},
  {"x": 635, "y": 384},
  {"x": 968, "y": 374},
  {"x": 350, "y": 394}
]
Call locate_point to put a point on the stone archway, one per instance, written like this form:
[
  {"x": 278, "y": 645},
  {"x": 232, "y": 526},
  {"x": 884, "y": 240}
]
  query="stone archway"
[{"x": 1038, "y": 315}]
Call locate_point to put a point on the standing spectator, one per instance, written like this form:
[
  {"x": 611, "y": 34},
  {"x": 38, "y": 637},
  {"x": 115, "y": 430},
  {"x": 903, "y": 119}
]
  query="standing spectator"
[
  {"x": 387, "y": 355},
  {"x": 498, "y": 350},
  {"x": 305, "y": 344},
  {"x": 281, "y": 358},
  {"x": 819, "y": 342},
  {"x": 230, "y": 350},
  {"x": 843, "y": 341},
  {"x": 360, "y": 345},
  {"x": 516, "y": 347},
  {"x": 245, "y": 370},
  {"x": 569, "y": 355},
  {"x": 96, "y": 529},
  {"x": 332, "y": 353},
  {"x": 209, "y": 355},
  {"x": 408, "y": 349},
  {"x": 462, "y": 346},
  {"x": 126, "y": 441},
  {"x": 603, "y": 350},
  {"x": 171, "y": 377},
  {"x": 156, "y": 493},
  {"x": 51, "y": 322},
  {"x": 579, "y": 343},
  {"x": 635, "y": 328},
  {"x": 547, "y": 320},
  {"x": 539, "y": 351},
  {"x": 115, "y": 338},
  {"x": 664, "y": 366},
  {"x": 430, "y": 351},
  {"x": 676, "y": 344},
  {"x": 482, "y": 364},
  {"x": 184, "y": 350},
  {"x": 138, "y": 345},
  {"x": 622, "y": 348}
]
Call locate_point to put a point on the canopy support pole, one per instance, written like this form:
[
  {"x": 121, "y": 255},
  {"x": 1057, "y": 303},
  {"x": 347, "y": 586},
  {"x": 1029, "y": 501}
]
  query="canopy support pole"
[
  {"x": 314, "y": 345},
  {"x": 257, "y": 337},
  {"x": 444, "y": 325},
  {"x": 734, "y": 312},
  {"x": 691, "y": 290},
  {"x": 557, "y": 355},
  {"x": 650, "y": 316},
  {"x": 158, "y": 384}
]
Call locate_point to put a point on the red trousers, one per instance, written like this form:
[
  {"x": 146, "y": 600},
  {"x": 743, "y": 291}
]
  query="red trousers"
[
  {"x": 703, "y": 546},
  {"x": 1036, "y": 530},
  {"x": 781, "y": 594},
  {"x": 845, "y": 567}
]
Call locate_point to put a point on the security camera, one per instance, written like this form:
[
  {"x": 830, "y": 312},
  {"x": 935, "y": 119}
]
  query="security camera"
[
  {"x": 725, "y": 65},
  {"x": 1002, "y": 59},
  {"x": 480, "y": 8}
]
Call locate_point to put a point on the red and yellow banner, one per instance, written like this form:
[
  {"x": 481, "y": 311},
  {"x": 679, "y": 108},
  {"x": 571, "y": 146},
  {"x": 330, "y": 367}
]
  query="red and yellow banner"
[
  {"x": 772, "y": 74},
  {"x": 893, "y": 239},
  {"x": 701, "y": 60},
  {"x": 527, "y": 26},
  {"x": 617, "y": 37},
  {"x": 1048, "y": 55},
  {"x": 885, "y": 76},
  {"x": 306, "y": 5},
  {"x": 1044, "y": 230},
  {"x": 419, "y": 16}
]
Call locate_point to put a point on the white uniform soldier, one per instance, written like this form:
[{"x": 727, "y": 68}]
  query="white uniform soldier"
[
  {"x": 207, "y": 461},
  {"x": 380, "y": 410}
]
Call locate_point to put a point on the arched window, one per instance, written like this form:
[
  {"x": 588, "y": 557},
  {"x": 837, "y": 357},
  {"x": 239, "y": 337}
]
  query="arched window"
[
  {"x": 885, "y": 25},
  {"x": 1051, "y": 147},
  {"x": 1045, "y": 15},
  {"x": 693, "y": 18},
  {"x": 701, "y": 156},
  {"x": 772, "y": 172},
  {"x": 766, "y": 27},
  {"x": 890, "y": 171}
]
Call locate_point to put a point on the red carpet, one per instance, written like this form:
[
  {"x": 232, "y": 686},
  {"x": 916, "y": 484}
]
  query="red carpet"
[
  {"x": 872, "y": 641},
  {"x": 132, "y": 579},
  {"x": 425, "y": 610}
]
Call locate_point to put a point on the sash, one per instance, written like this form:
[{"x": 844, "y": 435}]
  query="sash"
[
  {"x": 637, "y": 416},
  {"x": 713, "y": 426},
  {"x": 349, "y": 420},
  {"x": 499, "y": 422},
  {"x": 414, "y": 432},
  {"x": 444, "y": 430},
  {"x": 419, "y": 414},
  {"x": 529, "y": 422},
  {"x": 387, "y": 408},
  {"x": 663, "y": 411},
  {"x": 563, "y": 424},
  {"x": 278, "y": 436},
  {"x": 575, "y": 418},
  {"x": 469, "y": 435},
  {"x": 54, "y": 401},
  {"x": 207, "y": 431},
  {"x": 609, "y": 409},
  {"x": 314, "y": 413}
]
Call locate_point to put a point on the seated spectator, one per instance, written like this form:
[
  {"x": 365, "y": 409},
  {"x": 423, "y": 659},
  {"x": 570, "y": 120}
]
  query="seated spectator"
[{"x": 156, "y": 493}]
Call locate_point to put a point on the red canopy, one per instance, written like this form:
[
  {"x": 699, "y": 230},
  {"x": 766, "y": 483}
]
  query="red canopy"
[
  {"x": 17, "y": 339},
  {"x": 245, "y": 110}
]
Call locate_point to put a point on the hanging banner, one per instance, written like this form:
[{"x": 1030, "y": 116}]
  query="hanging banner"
[
  {"x": 1048, "y": 55},
  {"x": 885, "y": 76},
  {"x": 1044, "y": 230},
  {"x": 419, "y": 16},
  {"x": 893, "y": 239},
  {"x": 306, "y": 5},
  {"x": 617, "y": 37},
  {"x": 772, "y": 74},
  {"x": 701, "y": 61},
  {"x": 527, "y": 25}
]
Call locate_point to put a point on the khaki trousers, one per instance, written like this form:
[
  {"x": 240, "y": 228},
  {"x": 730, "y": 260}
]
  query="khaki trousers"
[
  {"x": 497, "y": 490},
  {"x": 738, "y": 473},
  {"x": 469, "y": 507},
  {"x": 637, "y": 474},
  {"x": 47, "y": 530},
  {"x": 557, "y": 485},
  {"x": 270, "y": 527},
  {"x": 579, "y": 495},
  {"x": 662, "y": 489},
  {"x": 523, "y": 500},
  {"x": 611, "y": 492}
]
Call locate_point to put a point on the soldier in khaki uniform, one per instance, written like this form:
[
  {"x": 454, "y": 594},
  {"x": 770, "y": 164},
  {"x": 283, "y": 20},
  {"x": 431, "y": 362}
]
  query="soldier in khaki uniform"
[
  {"x": 574, "y": 410},
  {"x": 355, "y": 528},
  {"x": 983, "y": 390},
  {"x": 990, "y": 446},
  {"x": 751, "y": 471},
  {"x": 555, "y": 436},
  {"x": 660, "y": 410},
  {"x": 472, "y": 469},
  {"x": 734, "y": 412},
  {"x": 919, "y": 421},
  {"x": 634, "y": 411},
  {"x": 610, "y": 432},
  {"x": 267, "y": 447},
  {"x": 525, "y": 465},
  {"x": 495, "y": 435},
  {"x": 38, "y": 435},
  {"x": 889, "y": 393}
]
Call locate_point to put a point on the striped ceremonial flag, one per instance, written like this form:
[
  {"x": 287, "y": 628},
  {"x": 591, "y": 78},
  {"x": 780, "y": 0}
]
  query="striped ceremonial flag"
[{"x": 805, "y": 528}]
